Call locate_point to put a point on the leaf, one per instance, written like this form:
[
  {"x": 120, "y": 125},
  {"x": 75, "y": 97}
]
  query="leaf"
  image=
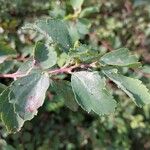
[
  {"x": 120, "y": 57},
  {"x": 76, "y": 4},
  {"x": 5, "y": 146},
  {"x": 8, "y": 115},
  {"x": 89, "y": 10},
  {"x": 91, "y": 93},
  {"x": 146, "y": 69},
  {"x": 64, "y": 90},
  {"x": 54, "y": 30},
  {"x": 46, "y": 56},
  {"x": 132, "y": 87},
  {"x": 25, "y": 67},
  {"x": 28, "y": 94},
  {"x": 137, "y": 3},
  {"x": 21, "y": 100},
  {"x": 2, "y": 87},
  {"x": 5, "y": 52},
  {"x": 83, "y": 26},
  {"x": 6, "y": 66},
  {"x": 63, "y": 58},
  {"x": 73, "y": 31}
]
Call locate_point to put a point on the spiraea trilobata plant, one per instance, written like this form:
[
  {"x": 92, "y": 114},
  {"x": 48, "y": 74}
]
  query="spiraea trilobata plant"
[{"x": 74, "y": 71}]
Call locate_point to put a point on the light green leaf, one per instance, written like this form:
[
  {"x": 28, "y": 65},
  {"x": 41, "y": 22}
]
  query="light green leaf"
[
  {"x": 84, "y": 54},
  {"x": 28, "y": 94},
  {"x": 45, "y": 56},
  {"x": 83, "y": 26},
  {"x": 5, "y": 51},
  {"x": 76, "y": 4},
  {"x": 8, "y": 115},
  {"x": 89, "y": 10},
  {"x": 64, "y": 90},
  {"x": 79, "y": 29},
  {"x": 54, "y": 30},
  {"x": 25, "y": 67},
  {"x": 91, "y": 92},
  {"x": 73, "y": 31},
  {"x": 132, "y": 87},
  {"x": 63, "y": 58},
  {"x": 146, "y": 69},
  {"x": 120, "y": 57}
]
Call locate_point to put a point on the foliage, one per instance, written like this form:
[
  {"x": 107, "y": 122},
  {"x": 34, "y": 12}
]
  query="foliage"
[{"x": 66, "y": 61}]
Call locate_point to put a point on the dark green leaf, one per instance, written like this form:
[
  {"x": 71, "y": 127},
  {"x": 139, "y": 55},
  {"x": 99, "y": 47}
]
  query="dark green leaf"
[
  {"x": 54, "y": 30},
  {"x": 5, "y": 51},
  {"x": 64, "y": 90},
  {"x": 5, "y": 146},
  {"x": 6, "y": 66},
  {"x": 2, "y": 87},
  {"x": 28, "y": 94},
  {"x": 9, "y": 117},
  {"x": 46, "y": 56}
]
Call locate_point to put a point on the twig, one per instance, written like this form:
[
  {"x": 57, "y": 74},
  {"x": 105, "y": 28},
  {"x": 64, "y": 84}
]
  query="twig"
[
  {"x": 55, "y": 71},
  {"x": 16, "y": 74}
]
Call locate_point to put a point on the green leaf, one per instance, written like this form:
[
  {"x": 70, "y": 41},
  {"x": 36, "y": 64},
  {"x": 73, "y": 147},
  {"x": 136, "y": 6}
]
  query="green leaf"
[
  {"x": 132, "y": 87},
  {"x": 84, "y": 54},
  {"x": 25, "y": 67},
  {"x": 76, "y": 4},
  {"x": 2, "y": 87},
  {"x": 63, "y": 58},
  {"x": 5, "y": 146},
  {"x": 64, "y": 90},
  {"x": 46, "y": 56},
  {"x": 21, "y": 100},
  {"x": 91, "y": 92},
  {"x": 6, "y": 66},
  {"x": 146, "y": 69},
  {"x": 120, "y": 57},
  {"x": 54, "y": 30},
  {"x": 73, "y": 31},
  {"x": 83, "y": 25},
  {"x": 89, "y": 10},
  {"x": 5, "y": 51},
  {"x": 28, "y": 94},
  {"x": 8, "y": 115}
]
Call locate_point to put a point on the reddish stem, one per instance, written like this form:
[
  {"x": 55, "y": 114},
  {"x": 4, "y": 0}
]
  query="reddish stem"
[
  {"x": 13, "y": 75},
  {"x": 56, "y": 71},
  {"x": 63, "y": 70}
]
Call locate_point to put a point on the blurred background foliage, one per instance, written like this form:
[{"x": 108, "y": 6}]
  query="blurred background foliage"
[{"x": 104, "y": 26}]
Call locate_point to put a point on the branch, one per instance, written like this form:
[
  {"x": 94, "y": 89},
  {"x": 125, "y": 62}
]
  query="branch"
[
  {"x": 16, "y": 74},
  {"x": 63, "y": 70},
  {"x": 55, "y": 71},
  {"x": 13, "y": 75}
]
